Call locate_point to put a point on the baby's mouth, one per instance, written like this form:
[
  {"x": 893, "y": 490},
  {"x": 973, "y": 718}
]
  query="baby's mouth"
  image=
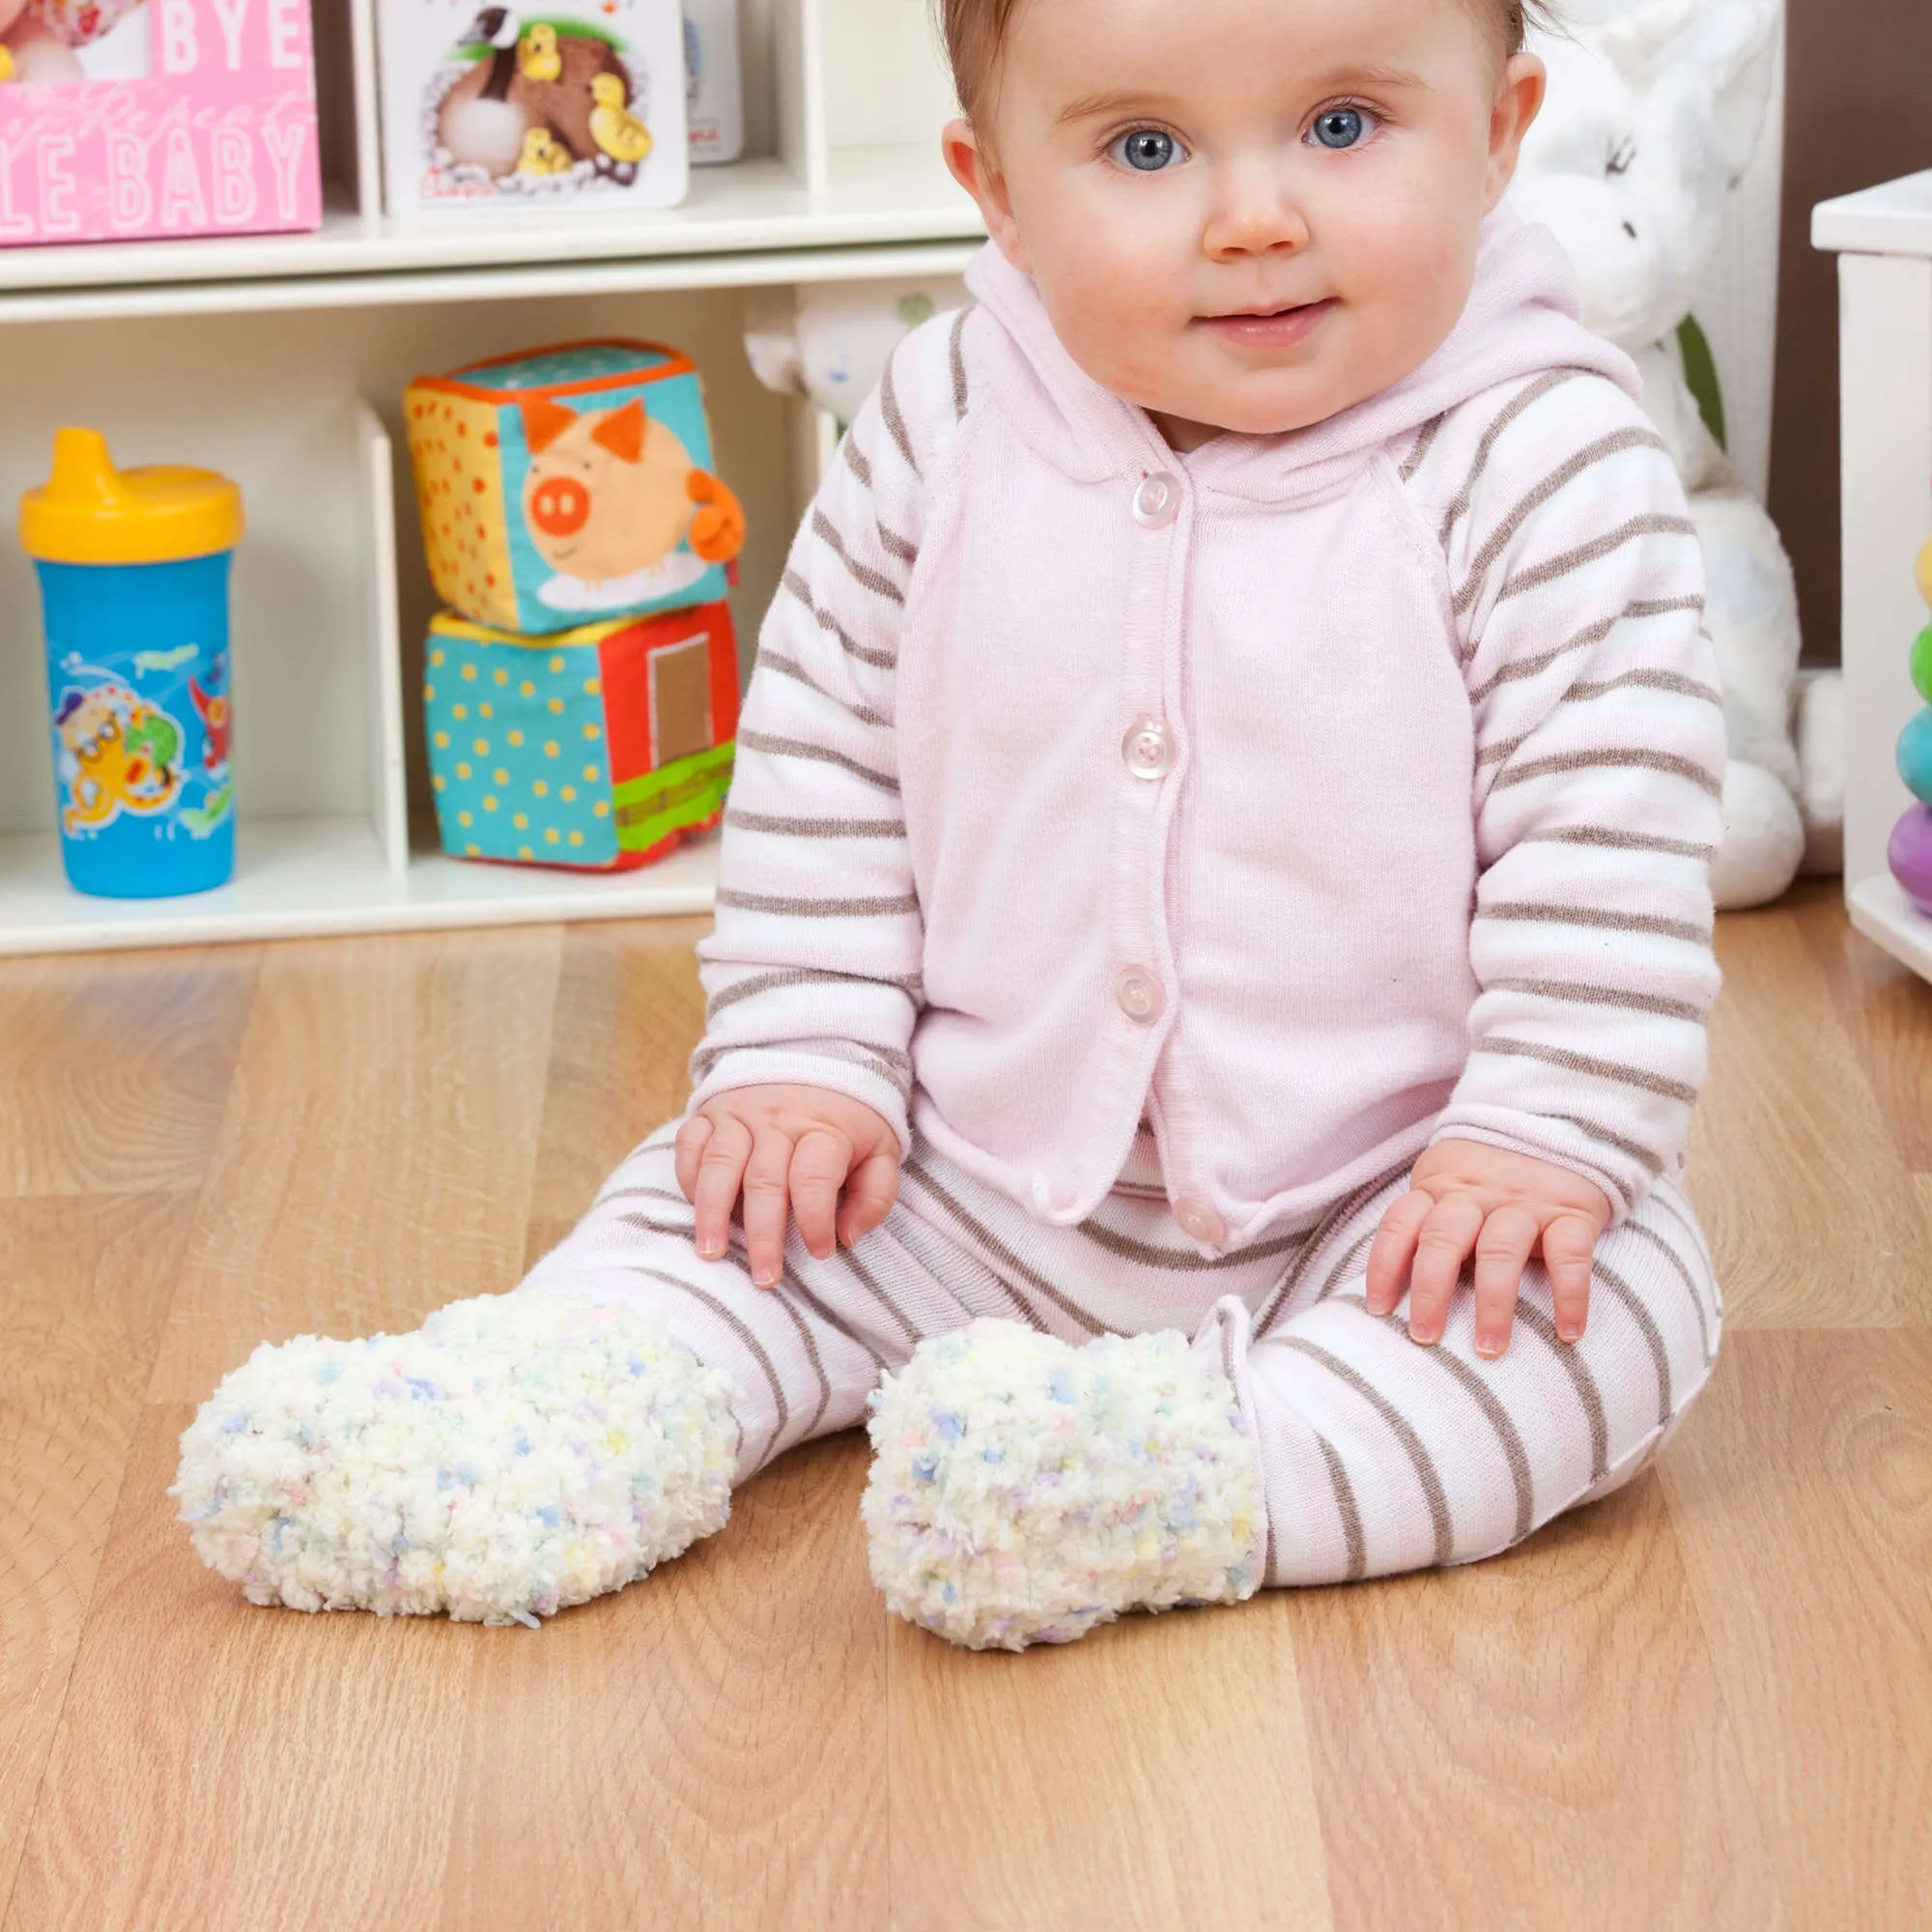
[{"x": 1274, "y": 328}]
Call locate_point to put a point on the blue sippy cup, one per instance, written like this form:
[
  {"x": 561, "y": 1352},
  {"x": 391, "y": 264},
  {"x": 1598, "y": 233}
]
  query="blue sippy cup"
[{"x": 133, "y": 569}]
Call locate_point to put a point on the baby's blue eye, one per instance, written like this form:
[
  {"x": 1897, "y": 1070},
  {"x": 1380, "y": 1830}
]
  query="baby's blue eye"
[
  {"x": 1340, "y": 127},
  {"x": 1147, "y": 149}
]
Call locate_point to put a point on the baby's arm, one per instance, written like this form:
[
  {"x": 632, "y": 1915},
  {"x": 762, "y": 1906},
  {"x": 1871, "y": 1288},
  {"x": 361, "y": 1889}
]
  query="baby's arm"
[
  {"x": 1578, "y": 585},
  {"x": 812, "y": 973}
]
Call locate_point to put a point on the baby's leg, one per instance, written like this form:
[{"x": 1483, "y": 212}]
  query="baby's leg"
[
  {"x": 802, "y": 1358},
  {"x": 1026, "y": 1491},
  {"x": 1379, "y": 1456},
  {"x": 522, "y": 1452}
]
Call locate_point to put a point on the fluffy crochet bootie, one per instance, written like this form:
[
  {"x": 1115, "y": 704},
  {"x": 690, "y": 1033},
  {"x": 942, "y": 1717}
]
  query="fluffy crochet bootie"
[
  {"x": 515, "y": 1455},
  {"x": 1023, "y": 1491}
]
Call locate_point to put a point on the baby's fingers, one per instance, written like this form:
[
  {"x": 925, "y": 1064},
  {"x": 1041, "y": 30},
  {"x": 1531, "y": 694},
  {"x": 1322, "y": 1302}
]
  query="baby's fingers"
[
  {"x": 1569, "y": 1248},
  {"x": 817, "y": 1169},
  {"x": 689, "y": 1146},
  {"x": 1502, "y": 1248},
  {"x": 1440, "y": 1249},
  {"x": 869, "y": 1193},
  {"x": 721, "y": 1168},
  {"x": 1390, "y": 1251},
  {"x": 767, "y": 1193}
]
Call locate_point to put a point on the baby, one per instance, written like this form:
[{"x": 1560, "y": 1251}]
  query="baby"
[{"x": 1213, "y": 928}]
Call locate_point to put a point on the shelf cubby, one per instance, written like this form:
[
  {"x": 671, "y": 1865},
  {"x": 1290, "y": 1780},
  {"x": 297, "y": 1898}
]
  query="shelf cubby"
[{"x": 281, "y": 359}]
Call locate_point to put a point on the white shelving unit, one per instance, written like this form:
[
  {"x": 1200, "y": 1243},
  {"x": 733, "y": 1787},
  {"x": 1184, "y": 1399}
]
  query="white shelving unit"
[
  {"x": 1883, "y": 241},
  {"x": 281, "y": 360}
]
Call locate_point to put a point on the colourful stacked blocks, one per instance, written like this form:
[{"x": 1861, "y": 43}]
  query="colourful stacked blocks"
[
  {"x": 1911, "y": 850},
  {"x": 599, "y": 747},
  {"x": 582, "y": 694}
]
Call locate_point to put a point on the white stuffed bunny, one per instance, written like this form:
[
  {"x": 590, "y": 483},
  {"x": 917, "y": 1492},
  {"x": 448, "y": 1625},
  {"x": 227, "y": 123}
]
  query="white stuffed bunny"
[{"x": 1655, "y": 110}]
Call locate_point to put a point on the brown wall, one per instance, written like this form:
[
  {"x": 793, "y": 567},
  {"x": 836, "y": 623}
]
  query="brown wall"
[{"x": 1857, "y": 111}]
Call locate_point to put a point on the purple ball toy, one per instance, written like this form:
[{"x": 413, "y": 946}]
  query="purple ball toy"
[{"x": 1911, "y": 855}]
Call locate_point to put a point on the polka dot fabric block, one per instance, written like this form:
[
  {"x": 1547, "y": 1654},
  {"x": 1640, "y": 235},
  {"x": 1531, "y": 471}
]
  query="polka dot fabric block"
[
  {"x": 599, "y": 748},
  {"x": 566, "y": 485}
]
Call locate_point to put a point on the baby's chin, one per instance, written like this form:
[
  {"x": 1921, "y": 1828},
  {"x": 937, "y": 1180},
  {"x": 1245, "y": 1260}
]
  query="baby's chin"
[
  {"x": 1248, "y": 402},
  {"x": 1217, "y": 411}
]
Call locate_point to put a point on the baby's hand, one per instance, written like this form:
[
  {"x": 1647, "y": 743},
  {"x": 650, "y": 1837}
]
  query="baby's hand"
[
  {"x": 1467, "y": 1195},
  {"x": 783, "y": 1146}
]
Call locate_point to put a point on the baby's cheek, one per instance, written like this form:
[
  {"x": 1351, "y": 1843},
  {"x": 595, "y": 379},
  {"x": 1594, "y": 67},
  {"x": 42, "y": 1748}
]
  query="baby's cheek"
[{"x": 1120, "y": 332}]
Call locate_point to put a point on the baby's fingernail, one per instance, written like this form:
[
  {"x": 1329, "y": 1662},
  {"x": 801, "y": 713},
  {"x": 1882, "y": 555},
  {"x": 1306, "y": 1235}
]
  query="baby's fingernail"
[
  {"x": 1427, "y": 1337},
  {"x": 711, "y": 1251},
  {"x": 1488, "y": 1346},
  {"x": 1569, "y": 1331}
]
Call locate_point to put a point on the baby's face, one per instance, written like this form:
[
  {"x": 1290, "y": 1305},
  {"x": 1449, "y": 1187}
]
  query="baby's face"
[{"x": 1246, "y": 214}]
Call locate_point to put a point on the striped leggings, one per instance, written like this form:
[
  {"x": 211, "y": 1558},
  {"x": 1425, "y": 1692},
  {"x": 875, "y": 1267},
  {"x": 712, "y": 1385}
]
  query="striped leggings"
[{"x": 1377, "y": 1456}]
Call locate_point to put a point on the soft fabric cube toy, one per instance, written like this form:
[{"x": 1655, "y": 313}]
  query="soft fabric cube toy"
[
  {"x": 570, "y": 484},
  {"x": 599, "y": 748}
]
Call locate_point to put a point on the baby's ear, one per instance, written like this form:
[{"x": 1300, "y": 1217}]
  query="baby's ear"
[
  {"x": 973, "y": 164},
  {"x": 1519, "y": 97}
]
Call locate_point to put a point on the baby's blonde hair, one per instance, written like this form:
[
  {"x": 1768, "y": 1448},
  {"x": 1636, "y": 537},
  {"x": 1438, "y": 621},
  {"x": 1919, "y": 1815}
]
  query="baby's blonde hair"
[{"x": 976, "y": 31}]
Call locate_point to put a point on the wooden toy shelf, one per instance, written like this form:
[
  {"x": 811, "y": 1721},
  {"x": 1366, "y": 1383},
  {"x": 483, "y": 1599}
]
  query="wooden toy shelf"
[
  {"x": 1883, "y": 239},
  {"x": 281, "y": 360}
]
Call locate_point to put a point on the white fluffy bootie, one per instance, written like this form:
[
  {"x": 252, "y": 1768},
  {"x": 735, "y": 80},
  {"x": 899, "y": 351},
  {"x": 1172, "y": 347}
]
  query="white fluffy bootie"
[
  {"x": 515, "y": 1455},
  {"x": 1024, "y": 1491}
]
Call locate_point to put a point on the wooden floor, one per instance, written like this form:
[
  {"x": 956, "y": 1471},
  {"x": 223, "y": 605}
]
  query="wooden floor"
[{"x": 1706, "y": 1703}]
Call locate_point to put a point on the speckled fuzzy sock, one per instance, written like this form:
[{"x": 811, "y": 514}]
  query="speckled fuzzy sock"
[
  {"x": 515, "y": 1455},
  {"x": 1024, "y": 1491}
]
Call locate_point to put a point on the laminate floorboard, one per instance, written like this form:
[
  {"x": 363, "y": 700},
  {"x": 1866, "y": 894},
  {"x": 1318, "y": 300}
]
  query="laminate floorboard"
[
  {"x": 376, "y": 1155},
  {"x": 1538, "y": 1740},
  {"x": 1796, "y": 1165},
  {"x": 1702, "y": 1703},
  {"x": 88, "y": 1281},
  {"x": 1801, "y": 1490},
  {"x": 115, "y": 1070},
  {"x": 1154, "y": 1775},
  {"x": 705, "y": 1749}
]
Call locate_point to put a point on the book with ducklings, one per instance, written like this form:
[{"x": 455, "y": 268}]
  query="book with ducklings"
[{"x": 498, "y": 107}]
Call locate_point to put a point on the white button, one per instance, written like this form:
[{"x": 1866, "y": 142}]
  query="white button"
[
  {"x": 1148, "y": 748},
  {"x": 1139, "y": 994},
  {"x": 1157, "y": 502},
  {"x": 1201, "y": 1223}
]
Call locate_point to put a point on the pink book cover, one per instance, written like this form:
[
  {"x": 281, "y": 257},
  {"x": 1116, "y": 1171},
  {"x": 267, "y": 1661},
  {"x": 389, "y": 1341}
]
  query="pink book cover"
[{"x": 137, "y": 120}]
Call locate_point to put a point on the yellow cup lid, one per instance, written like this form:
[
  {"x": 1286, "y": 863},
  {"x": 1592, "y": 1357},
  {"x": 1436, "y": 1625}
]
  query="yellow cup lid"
[{"x": 89, "y": 512}]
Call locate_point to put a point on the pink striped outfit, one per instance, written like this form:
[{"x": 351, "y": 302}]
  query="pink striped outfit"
[{"x": 1172, "y": 847}]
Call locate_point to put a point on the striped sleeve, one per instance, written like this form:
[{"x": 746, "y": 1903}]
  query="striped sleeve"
[
  {"x": 812, "y": 974},
  {"x": 1578, "y": 588}
]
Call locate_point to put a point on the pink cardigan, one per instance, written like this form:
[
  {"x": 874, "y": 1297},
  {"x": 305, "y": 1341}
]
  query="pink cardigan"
[{"x": 1081, "y": 783}]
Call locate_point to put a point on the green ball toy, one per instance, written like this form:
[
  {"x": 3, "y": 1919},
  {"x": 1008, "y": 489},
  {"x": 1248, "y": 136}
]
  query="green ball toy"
[{"x": 1921, "y": 663}]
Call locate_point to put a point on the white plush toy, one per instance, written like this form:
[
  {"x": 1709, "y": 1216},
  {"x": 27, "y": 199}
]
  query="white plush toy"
[
  {"x": 831, "y": 340},
  {"x": 1654, "y": 113}
]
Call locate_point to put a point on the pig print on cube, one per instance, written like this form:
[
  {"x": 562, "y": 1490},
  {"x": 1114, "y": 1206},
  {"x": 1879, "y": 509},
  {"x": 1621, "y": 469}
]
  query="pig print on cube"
[
  {"x": 571, "y": 484},
  {"x": 599, "y": 748},
  {"x": 136, "y": 120}
]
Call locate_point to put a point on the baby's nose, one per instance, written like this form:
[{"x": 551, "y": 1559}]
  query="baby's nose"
[{"x": 1255, "y": 213}]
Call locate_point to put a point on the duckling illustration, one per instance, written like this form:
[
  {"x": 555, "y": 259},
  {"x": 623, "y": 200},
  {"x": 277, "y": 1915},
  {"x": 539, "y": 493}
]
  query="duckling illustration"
[
  {"x": 543, "y": 153},
  {"x": 538, "y": 57},
  {"x": 622, "y": 139}
]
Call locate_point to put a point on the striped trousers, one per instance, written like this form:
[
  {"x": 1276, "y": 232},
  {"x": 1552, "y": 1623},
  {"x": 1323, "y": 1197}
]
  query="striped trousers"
[{"x": 1377, "y": 1456}]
